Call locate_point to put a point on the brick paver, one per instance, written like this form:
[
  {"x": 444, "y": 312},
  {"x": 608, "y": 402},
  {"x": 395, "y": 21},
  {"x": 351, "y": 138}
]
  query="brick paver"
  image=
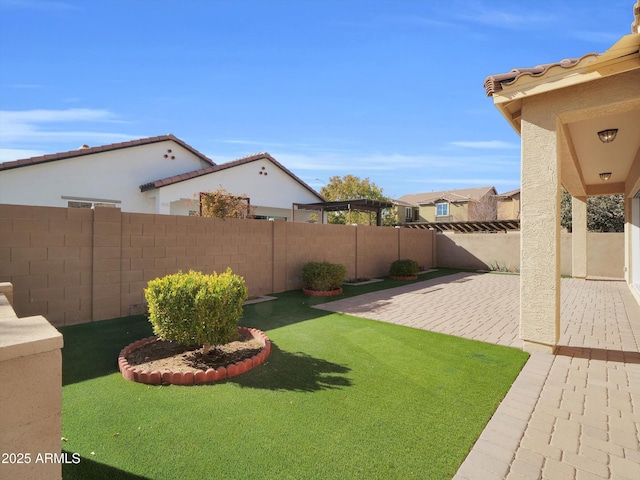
[{"x": 572, "y": 415}]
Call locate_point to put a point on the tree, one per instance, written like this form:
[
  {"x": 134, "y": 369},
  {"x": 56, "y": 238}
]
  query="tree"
[
  {"x": 223, "y": 204},
  {"x": 605, "y": 213},
  {"x": 351, "y": 187}
]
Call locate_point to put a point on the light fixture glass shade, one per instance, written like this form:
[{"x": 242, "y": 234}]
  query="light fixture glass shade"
[
  {"x": 608, "y": 136},
  {"x": 604, "y": 176}
]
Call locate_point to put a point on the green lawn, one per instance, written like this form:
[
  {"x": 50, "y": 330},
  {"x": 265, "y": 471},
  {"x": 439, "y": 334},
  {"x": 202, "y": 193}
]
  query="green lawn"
[{"x": 339, "y": 397}]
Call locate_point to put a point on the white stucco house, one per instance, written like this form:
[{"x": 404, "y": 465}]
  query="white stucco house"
[{"x": 151, "y": 175}]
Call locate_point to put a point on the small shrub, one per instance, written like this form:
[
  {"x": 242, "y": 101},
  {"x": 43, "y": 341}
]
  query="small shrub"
[
  {"x": 404, "y": 268},
  {"x": 323, "y": 276},
  {"x": 504, "y": 268},
  {"x": 196, "y": 309}
]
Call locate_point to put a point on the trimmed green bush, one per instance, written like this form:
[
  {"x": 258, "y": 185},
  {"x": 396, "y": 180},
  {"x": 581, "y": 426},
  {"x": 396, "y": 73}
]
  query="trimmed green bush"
[
  {"x": 196, "y": 309},
  {"x": 323, "y": 276},
  {"x": 404, "y": 268}
]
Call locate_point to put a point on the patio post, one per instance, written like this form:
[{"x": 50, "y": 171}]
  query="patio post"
[
  {"x": 579, "y": 237},
  {"x": 540, "y": 230}
]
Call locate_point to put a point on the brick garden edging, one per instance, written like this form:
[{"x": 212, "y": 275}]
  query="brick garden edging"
[
  {"x": 322, "y": 293},
  {"x": 193, "y": 377}
]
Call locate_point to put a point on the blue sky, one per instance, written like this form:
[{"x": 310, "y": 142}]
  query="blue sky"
[{"x": 389, "y": 90}]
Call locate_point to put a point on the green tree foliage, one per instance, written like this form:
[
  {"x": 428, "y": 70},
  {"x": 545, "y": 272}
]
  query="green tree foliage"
[
  {"x": 351, "y": 187},
  {"x": 196, "y": 309},
  {"x": 222, "y": 204},
  {"x": 605, "y": 213}
]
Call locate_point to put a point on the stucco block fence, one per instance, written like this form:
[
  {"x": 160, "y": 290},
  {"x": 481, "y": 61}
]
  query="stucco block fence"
[
  {"x": 31, "y": 394},
  {"x": 80, "y": 265},
  {"x": 605, "y": 252}
]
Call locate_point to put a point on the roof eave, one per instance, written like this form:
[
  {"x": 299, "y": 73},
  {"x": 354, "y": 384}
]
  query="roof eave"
[{"x": 622, "y": 57}]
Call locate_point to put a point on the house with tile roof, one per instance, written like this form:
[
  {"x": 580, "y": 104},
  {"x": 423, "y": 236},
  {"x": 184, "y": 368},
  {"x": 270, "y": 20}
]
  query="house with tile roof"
[
  {"x": 463, "y": 205},
  {"x": 159, "y": 174},
  {"x": 578, "y": 120}
]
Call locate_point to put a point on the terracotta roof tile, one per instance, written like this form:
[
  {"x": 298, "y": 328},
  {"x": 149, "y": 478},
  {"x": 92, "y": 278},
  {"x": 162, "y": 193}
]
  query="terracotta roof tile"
[
  {"x": 494, "y": 83},
  {"x": 101, "y": 148}
]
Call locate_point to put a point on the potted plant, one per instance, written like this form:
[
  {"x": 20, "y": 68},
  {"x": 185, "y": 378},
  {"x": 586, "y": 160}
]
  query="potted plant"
[
  {"x": 404, "y": 269},
  {"x": 323, "y": 278}
]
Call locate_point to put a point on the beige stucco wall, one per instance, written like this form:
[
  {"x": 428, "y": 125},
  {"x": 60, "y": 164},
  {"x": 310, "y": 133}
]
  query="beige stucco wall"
[
  {"x": 605, "y": 255},
  {"x": 509, "y": 208},
  {"x": 605, "y": 252},
  {"x": 77, "y": 265},
  {"x": 31, "y": 394},
  {"x": 478, "y": 250}
]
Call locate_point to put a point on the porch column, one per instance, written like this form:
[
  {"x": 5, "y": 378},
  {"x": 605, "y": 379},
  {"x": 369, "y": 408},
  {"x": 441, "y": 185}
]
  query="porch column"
[
  {"x": 540, "y": 232},
  {"x": 579, "y": 237}
]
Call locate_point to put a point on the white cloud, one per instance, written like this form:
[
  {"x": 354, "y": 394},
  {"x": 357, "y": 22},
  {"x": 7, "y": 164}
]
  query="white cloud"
[
  {"x": 509, "y": 16},
  {"x": 485, "y": 144},
  {"x": 43, "y": 131},
  {"x": 48, "y": 116}
]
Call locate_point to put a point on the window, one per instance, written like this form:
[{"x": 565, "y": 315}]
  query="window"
[
  {"x": 442, "y": 209},
  {"x": 77, "y": 202},
  {"x": 269, "y": 217},
  {"x": 408, "y": 214}
]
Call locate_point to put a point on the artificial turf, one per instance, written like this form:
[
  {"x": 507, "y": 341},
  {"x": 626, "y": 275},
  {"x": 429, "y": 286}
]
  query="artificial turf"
[{"x": 339, "y": 397}]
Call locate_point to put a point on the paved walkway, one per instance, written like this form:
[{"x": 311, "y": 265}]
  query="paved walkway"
[{"x": 573, "y": 415}]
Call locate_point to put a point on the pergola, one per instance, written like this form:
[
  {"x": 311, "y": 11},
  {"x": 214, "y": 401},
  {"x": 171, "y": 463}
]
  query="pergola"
[
  {"x": 491, "y": 226},
  {"x": 359, "y": 205}
]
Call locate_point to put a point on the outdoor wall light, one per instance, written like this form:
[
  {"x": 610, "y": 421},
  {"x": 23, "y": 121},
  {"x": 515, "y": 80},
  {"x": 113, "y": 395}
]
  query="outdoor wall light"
[
  {"x": 608, "y": 136},
  {"x": 604, "y": 176}
]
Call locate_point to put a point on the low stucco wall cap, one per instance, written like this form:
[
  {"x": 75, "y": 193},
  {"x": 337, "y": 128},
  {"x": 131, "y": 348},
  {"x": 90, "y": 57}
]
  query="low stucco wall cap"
[{"x": 20, "y": 337}]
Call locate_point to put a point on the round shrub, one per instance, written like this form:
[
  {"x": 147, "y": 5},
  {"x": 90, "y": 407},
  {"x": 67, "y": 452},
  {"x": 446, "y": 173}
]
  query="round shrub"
[
  {"x": 404, "y": 268},
  {"x": 323, "y": 276},
  {"x": 196, "y": 309}
]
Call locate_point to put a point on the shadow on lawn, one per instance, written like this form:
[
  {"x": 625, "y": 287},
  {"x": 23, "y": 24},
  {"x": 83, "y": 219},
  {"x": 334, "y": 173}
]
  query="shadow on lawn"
[
  {"x": 96, "y": 471},
  {"x": 91, "y": 349},
  {"x": 295, "y": 371}
]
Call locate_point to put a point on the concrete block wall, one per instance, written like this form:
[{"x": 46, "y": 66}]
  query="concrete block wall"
[
  {"x": 47, "y": 254},
  {"x": 77, "y": 265},
  {"x": 314, "y": 242},
  {"x": 158, "y": 245},
  {"x": 414, "y": 245},
  {"x": 377, "y": 249}
]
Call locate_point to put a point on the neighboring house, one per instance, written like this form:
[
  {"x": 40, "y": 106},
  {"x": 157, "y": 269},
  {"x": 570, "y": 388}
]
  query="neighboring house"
[
  {"x": 151, "y": 175},
  {"x": 469, "y": 204},
  {"x": 508, "y": 207}
]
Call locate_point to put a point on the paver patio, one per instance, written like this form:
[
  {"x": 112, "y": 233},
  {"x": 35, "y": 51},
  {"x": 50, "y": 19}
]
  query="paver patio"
[{"x": 572, "y": 415}]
